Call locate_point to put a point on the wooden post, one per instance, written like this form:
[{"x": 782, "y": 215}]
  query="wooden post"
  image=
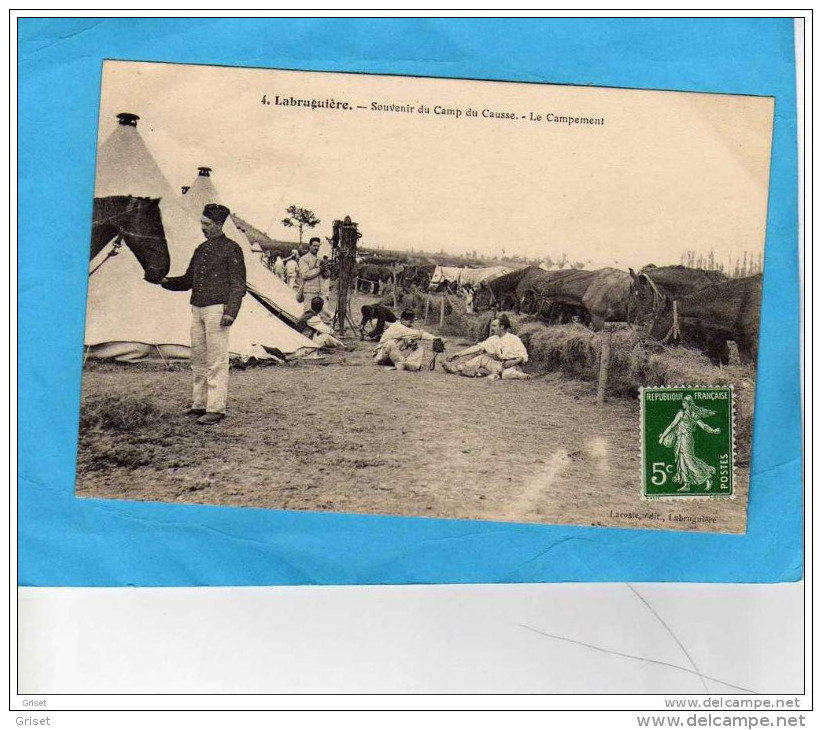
[
  {"x": 442, "y": 310},
  {"x": 604, "y": 361},
  {"x": 394, "y": 275},
  {"x": 427, "y": 302}
]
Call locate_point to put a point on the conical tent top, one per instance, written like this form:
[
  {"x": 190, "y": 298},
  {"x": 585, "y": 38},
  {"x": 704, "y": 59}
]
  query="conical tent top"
[
  {"x": 204, "y": 171},
  {"x": 127, "y": 119}
]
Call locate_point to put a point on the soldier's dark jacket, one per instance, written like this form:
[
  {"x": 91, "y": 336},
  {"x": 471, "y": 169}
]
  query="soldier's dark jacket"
[{"x": 216, "y": 275}]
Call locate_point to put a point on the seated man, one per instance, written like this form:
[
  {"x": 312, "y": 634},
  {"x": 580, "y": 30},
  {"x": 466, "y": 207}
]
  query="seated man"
[
  {"x": 400, "y": 345},
  {"x": 375, "y": 316},
  {"x": 313, "y": 323},
  {"x": 497, "y": 357}
]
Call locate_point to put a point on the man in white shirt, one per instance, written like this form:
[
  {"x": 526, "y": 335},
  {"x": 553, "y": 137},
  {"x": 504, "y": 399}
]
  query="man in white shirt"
[
  {"x": 499, "y": 356},
  {"x": 400, "y": 344},
  {"x": 292, "y": 271},
  {"x": 311, "y": 273},
  {"x": 314, "y": 324}
]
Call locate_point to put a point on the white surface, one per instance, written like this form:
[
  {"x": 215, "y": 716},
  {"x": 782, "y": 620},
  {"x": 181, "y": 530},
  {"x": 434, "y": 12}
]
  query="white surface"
[{"x": 416, "y": 639}]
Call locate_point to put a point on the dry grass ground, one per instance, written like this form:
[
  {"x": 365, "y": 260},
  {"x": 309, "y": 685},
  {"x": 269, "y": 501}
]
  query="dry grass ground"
[{"x": 349, "y": 436}]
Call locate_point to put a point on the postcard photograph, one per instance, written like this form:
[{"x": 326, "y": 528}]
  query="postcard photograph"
[{"x": 423, "y": 297}]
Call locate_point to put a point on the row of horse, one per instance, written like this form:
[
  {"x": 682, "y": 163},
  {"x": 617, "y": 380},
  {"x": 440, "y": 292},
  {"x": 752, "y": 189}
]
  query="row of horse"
[
  {"x": 696, "y": 307},
  {"x": 703, "y": 309}
]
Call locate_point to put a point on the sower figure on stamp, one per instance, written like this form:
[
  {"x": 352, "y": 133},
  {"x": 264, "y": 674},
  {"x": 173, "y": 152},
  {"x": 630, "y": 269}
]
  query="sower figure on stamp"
[
  {"x": 216, "y": 278},
  {"x": 690, "y": 469},
  {"x": 499, "y": 356}
]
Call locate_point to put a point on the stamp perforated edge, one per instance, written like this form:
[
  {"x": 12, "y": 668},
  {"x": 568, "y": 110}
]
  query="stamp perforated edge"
[{"x": 690, "y": 496}]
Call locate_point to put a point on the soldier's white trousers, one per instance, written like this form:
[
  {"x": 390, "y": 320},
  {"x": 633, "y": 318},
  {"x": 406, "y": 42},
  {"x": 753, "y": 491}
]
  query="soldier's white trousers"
[{"x": 209, "y": 358}]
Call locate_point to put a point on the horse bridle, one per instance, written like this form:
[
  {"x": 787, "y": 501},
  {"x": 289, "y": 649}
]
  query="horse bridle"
[
  {"x": 122, "y": 233},
  {"x": 493, "y": 300},
  {"x": 674, "y": 331}
]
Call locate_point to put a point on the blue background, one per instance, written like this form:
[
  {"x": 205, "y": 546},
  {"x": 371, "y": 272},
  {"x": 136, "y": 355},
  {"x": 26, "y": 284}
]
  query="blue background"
[{"x": 64, "y": 541}]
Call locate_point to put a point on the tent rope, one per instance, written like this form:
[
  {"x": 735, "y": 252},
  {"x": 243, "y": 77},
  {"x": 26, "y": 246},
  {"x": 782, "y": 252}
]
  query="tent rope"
[{"x": 160, "y": 353}]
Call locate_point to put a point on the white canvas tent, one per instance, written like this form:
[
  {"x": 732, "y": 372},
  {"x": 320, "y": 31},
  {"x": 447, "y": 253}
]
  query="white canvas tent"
[
  {"x": 131, "y": 320},
  {"x": 465, "y": 276},
  {"x": 262, "y": 282}
]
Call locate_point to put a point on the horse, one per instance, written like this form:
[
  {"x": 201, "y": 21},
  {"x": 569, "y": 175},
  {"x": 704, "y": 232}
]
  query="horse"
[
  {"x": 652, "y": 283},
  {"x": 370, "y": 276},
  {"x": 593, "y": 297},
  {"x": 416, "y": 276},
  {"x": 709, "y": 317},
  {"x": 138, "y": 222},
  {"x": 501, "y": 291}
]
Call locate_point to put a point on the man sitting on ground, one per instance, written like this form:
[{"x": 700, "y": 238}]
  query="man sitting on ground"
[
  {"x": 375, "y": 316},
  {"x": 400, "y": 344},
  {"x": 499, "y": 356},
  {"x": 314, "y": 324}
]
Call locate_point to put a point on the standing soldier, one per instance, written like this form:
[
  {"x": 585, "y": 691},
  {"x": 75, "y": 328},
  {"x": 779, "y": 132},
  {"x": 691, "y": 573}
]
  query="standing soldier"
[
  {"x": 279, "y": 267},
  {"x": 311, "y": 272},
  {"x": 216, "y": 278},
  {"x": 292, "y": 272}
]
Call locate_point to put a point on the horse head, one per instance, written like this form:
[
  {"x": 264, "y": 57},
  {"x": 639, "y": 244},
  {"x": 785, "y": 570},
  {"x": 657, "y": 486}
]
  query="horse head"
[
  {"x": 138, "y": 222},
  {"x": 529, "y": 302},
  {"x": 147, "y": 240},
  {"x": 483, "y": 297}
]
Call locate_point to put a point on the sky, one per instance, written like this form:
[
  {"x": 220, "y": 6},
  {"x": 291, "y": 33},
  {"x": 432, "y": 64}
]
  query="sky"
[{"x": 665, "y": 172}]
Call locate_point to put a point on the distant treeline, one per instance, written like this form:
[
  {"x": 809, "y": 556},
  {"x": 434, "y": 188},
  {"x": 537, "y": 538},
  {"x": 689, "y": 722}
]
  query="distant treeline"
[{"x": 735, "y": 267}]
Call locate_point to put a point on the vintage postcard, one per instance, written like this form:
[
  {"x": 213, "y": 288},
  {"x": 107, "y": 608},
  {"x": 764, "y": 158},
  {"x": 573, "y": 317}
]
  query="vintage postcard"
[{"x": 424, "y": 297}]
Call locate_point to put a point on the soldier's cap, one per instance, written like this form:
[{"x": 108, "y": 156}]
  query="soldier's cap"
[
  {"x": 313, "y": 240},
  {"x": 217, "y": 213}
]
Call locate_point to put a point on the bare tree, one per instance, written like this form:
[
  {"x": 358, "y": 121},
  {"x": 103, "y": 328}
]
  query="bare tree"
[{"x": 300, "y": 218}]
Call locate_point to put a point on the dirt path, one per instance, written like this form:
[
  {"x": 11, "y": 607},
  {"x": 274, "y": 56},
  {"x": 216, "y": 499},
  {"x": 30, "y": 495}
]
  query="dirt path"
[{"x": 353, "y": 437}]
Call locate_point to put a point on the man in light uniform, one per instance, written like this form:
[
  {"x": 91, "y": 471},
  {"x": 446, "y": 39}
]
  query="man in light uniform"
[
  {"x": 279, "y": 267},
  {"x": 499, "y": 356},
  {"x": 216, "y": 278},
  {"x": 311, "y": 273},
  {"x": 292, "y": 271},
  {"x": 314, "y": 324},
  {"x": 400, "y": 344}
]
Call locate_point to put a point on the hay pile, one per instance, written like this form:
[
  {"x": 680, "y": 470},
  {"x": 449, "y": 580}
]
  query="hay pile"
[
  {"x": 457, "y": 322},
  {"x": 636, "y": 361},
  {"x": 478, "y": 326}
]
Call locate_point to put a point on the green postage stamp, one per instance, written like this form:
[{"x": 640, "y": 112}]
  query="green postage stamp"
[{"x": 687, "y": 436}]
